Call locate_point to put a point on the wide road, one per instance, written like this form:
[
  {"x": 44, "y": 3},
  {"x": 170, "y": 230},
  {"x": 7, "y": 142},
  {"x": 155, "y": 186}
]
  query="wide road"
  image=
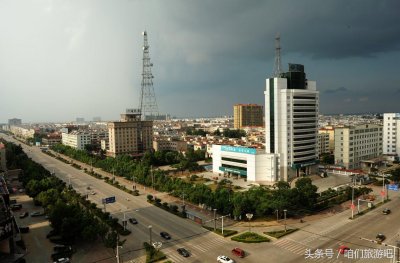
[{"x": 326, "y": 234}]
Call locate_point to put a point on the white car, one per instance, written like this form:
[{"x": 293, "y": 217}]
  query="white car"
[{"x": 224, "y": 259}]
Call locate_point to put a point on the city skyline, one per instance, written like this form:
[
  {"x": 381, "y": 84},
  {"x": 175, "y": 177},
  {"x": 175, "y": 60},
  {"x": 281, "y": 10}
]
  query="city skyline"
[{"x": 61, "y": 60}]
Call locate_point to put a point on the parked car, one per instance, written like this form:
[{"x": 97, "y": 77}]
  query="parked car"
[
  {"x": 37, "y": 213},
  {"x": 386, "y": 211},
  {"x": 343, "y": 249},
  {"x": 183, "y": 252},
  {"x": 23, "y": 215},
  {"x": 62, "y": 248},
  {"x": 61, "y": 254},
  {"x": 24, "y": 229},
  {"x": 62, "y": 260},
  {"x": 133, "y": 220},
  {"x": 238, "y": 252},
  {"x": 16, "y": 207},
  {"x": 165, "y": 235},
  {"x": 224, "y": 259},
  {"x": 380, "y": 237}
]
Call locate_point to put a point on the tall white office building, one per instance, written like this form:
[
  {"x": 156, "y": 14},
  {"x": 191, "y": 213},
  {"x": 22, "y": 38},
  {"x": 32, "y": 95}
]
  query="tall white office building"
[
  {"x": 291, "y": 122},
  {"x": 391, "y": 134}
]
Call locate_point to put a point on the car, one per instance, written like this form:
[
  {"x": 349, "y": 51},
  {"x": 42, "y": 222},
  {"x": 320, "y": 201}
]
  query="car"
[
  {"x": 16, "y": 207},
  {"x": 165, "y": 235},
  {"x": 238, "y": 252},
  {"x": 52, "y": 233},
  {"x": 380, "y": 237},
  {"x": 57, "y": 240},
  {"x": 133, "y": 220},
  {"x": 23, "y": 215},
  {"x": 183, "y": 252},
  {"x": 93, "y": 193},
  {"x": 24, "y": 229},
  {"x": 62, "y": 248},
  {"x": 224, "y": 259},
  {"x": 88, "y": 188},
  {"x": 37, "y": 213},
  {"x": 61, "y": 254},
  {"x": 343, "y": 249},
  {"x": 62, "y": 260},
  {"x": 21, "y": 190},
  {"x": 386, "y": 211}
]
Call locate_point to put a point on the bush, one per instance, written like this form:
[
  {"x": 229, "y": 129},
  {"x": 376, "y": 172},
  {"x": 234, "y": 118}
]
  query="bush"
[
  {"x": 149, "y": 197},
  {"x": 280, "y": 233},
  {"x": 250, "y": 237},
  {"x": 152, "y": 255}
]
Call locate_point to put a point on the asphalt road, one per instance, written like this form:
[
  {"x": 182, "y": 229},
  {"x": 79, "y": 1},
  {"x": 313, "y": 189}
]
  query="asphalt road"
[{"x": 326, "y": 234}]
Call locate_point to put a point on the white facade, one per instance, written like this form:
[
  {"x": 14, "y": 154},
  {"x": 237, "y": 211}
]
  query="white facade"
[
  {"x": 391, "y": 134},
  {"x": 76, "y": 139},
  {"x": 291, "y": 122},
  {"x": 357, "y": 143},
  {"x": 256, "y": 166}
]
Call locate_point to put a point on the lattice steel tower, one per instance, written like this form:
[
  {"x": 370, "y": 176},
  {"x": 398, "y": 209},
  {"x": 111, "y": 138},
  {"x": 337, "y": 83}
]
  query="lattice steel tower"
[
  {"x": 278, "y": 64},
  {"x": 148, "y": 102}
]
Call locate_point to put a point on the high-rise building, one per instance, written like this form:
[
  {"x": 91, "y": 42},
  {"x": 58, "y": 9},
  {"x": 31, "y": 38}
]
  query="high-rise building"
[
  {"x": 130, "y": 135},
  {"x": 291, "y": 122},
  {"x": 14, "y": 121},
  {"x": 391, "y": 133},
  {"x": 354, "y": 144},
  {"x": 247, "y": 115}
]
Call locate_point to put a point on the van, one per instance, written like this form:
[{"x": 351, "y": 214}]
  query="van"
[{"x": 238, "y": 252}]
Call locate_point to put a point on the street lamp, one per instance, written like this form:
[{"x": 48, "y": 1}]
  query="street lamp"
[
  {"x": 352, "y": 197},
  {"x": 249, "y": 216},
  {"x": 150, "y": 234},
  {"x": 277, "y": 215},
  {"x": 284, "y": 213}
]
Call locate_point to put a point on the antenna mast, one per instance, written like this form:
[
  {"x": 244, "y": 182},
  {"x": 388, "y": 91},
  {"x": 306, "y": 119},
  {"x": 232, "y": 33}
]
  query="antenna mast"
[
  {"x": 148, "y": 103},
  {"x": 278, "y": 64}
]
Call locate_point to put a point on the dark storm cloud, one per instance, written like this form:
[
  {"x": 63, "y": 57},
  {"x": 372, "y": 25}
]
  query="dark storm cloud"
[{"x": 214, "y": 53}]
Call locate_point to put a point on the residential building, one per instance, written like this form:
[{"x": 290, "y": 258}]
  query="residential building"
[
  {"x": 51, "y": 139},
  {"x": 354, "y": 144},
  {"x": 247, "y": 115},
  {"x": 291, "y": 122},
  {"x": 77, "y": 139},
  {"x": 331, "y": 132},
  {"x": 14, "y": 121},
  {"x": 130, "y": 135},
  {"x": 23, "y": 132},
  {"x": 169, "y": 144},
  {"x": 323, "y": 143},
  {"x": 3, "y": 160},
  {"x": 391, "y": 134}
]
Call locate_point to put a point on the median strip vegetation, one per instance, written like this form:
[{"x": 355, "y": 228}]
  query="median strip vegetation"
[
  {"x": 281, "y": 233},
  {"x": 250, "y": 237}
]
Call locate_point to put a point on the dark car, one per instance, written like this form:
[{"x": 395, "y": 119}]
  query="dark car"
[
  {"x": 62, "y": 248},
  {"x": 23, "y": 215},
  {"x": 37, "y": 213},
  {"x": 165, "y": 235},
  {"x": 16, "y": 207},
  {"x": 24, "y": 229},
  {"x": 386, "y": 211},
  {"x": 51, "y": 233},
  {"x": 379, "y": 238},
  {"x": 132, "y": 220},
  {"x": 183, "y": 252},
  {"x": 59, "y": 255},
  {"x": 62, "y": 260}
]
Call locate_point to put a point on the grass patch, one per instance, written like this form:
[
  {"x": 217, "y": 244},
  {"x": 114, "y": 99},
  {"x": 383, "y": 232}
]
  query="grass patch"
[
  {"x": 152, "y": 255},
  {"x": 227, "y": 232},
  {"x": 250, "y": 237},
  {"x": 281, "y": 233}
]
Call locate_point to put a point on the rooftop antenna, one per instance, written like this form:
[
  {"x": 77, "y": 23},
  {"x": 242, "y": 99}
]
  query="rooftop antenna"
[
  {"x": 278, "y": 64},
  {"x": 148, "y": 103}
]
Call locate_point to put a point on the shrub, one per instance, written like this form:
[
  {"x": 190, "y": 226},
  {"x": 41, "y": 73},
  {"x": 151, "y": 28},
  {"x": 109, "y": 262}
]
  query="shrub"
[
  {"x": 149, "y": 197},
  {"x": 250, "y": 237}
]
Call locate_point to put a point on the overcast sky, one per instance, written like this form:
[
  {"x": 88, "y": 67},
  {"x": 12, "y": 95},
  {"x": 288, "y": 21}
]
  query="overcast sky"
[{"x": 62, "y": 59}]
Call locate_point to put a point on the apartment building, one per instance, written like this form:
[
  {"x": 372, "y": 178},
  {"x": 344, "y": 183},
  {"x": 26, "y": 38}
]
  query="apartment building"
[
  {"x": 354, "y": 144},
  {"x": 130, "y": 135},
  {"x": 331, "y": 132},
  {"x": 391, "y": 134},
  {"x": 76, "y": 139},
  {"x": 14, "y": 121},
  {"x": 323, "y": 143},
  {"x": 247, "y": 115},
  {"x": 169, "y": 144}
]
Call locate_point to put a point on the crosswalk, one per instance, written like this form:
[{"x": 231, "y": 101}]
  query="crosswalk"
[
  {"x": 324, "y": 232},
  {"x": 195, "y": 250},
  {"x": 301, "y": 250}
]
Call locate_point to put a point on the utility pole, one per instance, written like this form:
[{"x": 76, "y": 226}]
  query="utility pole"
[
  {"x": 352, "y": 198},
  {"x": 117, "y": 256},
  {"x": 277, "y": 215},
  {"x": 215, "y": 219},
  {"x": 284, "y": 212},
  {"x": 383, "y": 189},
  {"x": 151, "y": 241}
]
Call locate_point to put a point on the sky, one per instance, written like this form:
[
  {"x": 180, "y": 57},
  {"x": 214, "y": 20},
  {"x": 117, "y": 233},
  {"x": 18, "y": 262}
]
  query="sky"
[{"x": 63, "y": 59}]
